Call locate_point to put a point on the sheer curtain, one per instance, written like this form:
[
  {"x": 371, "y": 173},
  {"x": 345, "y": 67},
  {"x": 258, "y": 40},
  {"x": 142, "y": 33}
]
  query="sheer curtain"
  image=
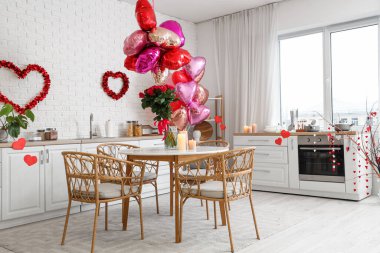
[{"x": 245, "y": 49}]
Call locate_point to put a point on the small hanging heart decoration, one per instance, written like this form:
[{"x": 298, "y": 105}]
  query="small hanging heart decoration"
[
  {"x": 115, "y": 75},
  {"x": 30, "y": 159}
]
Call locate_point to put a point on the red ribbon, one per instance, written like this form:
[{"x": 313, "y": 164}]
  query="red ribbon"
[{"x": 162, "y": 125}]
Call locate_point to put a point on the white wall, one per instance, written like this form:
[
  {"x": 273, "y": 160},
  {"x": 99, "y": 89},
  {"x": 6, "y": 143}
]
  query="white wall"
[{"x": 76, "y": 42}]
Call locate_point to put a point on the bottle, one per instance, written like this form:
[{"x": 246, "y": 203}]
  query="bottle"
[{"x": 109, "y": 128}]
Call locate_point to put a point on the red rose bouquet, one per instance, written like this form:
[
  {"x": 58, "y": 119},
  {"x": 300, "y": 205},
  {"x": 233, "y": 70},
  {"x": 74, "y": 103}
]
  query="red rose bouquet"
[{"x": 159, "y": 98}]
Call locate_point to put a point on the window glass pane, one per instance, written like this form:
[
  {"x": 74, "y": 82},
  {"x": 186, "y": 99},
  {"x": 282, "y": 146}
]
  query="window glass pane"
[
  {"x": 354, "y": 59},
  {"x": 301, "y": 65}
]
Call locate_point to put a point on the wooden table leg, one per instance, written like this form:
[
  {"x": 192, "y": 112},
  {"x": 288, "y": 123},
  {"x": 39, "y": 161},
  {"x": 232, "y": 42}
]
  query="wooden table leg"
[
  {"x": 171, "y": 187},
  {"x": 177, "y": 214},
  {"x": 222, "y": 212}
]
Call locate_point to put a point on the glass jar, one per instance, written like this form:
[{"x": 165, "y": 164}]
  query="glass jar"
[
  {"x": 137, "y": 130},
  {"x": 51, "y": 134},
  {"x": 130, "y": 128}
]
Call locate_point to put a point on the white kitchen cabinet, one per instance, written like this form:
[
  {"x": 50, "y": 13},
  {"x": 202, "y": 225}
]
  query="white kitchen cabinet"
[
  {"x": 294, "y": 182},
  {"x": 22, "y": 185},
  {"x": 55, "y": 176},
  {"x": 270, "y": 174}
]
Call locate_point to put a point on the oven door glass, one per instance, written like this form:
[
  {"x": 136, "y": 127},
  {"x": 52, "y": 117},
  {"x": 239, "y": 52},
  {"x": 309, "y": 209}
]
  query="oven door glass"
[{"x": 321, "y": 163}]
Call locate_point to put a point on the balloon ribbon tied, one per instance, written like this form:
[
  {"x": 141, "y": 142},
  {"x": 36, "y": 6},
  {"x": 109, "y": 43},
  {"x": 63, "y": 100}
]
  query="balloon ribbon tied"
[{"x": 162, "y": 125}]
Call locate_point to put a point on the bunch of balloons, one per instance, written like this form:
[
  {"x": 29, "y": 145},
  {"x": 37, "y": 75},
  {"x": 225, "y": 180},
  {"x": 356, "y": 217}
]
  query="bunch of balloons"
[{"x": 159, "y": 50}]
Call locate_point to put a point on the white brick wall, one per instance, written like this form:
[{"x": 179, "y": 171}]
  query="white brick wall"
[{"x": 76, "y": 42}]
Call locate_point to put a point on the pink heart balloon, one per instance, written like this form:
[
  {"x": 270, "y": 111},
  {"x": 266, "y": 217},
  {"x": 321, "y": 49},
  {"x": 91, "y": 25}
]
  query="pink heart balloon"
[
  {"x": 197, "y": 113},
  {"x": 174, "y": 26},
  {"x": 195, "y": 67},
  {"x": 186, "y": 91},
  {"x": 201, "y": 95},
  {"x": 179, "y": 118},
  {"x": 147, "y": 59},
  {"x": 135, "y": 42}
]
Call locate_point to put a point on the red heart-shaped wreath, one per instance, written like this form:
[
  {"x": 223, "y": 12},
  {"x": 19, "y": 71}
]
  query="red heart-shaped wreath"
[
  {"x": 21, "y": 74},
  {"x": 123, "y": 89}
]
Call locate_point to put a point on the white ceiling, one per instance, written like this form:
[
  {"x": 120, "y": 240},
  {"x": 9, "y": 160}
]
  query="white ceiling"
[{"x": 201, "y": 10}]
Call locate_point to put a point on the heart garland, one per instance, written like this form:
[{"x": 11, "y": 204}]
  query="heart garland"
[
  {"x": 115, "y": 75},
  {"x": 21, "y": 74}
]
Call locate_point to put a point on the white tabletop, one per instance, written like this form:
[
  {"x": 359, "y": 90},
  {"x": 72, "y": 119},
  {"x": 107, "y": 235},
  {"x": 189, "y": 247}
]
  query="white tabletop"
[{"x": 161, "y": 151}]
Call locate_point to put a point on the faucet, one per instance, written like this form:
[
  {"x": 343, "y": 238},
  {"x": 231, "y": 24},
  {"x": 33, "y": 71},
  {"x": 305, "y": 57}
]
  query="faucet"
[{"x": 91, "y": 120}]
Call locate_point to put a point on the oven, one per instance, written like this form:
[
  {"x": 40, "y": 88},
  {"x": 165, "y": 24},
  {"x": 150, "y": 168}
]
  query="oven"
[{"x": 320, "y": 160}]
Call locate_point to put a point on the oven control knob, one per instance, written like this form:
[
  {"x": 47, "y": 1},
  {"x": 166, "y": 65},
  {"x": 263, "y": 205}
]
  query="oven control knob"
[
  {"x": 319, "y": 139},
  {"x": 308, "y": 140}
]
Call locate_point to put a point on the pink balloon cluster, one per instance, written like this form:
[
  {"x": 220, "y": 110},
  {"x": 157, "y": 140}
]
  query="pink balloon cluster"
[{"x": 158, "y": 50}]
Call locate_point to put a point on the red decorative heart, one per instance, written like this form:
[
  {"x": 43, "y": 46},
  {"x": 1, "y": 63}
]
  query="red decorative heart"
[
  {"x": 347, "y": 149},
  {"x": 19, "y": 144},
  {"x": 285, "y": 134},
  {"x": 222, "y": 127},
  {"x": 278, "y": 141},
  {"x": 123, "y": 89},
  {"x": 21, "y": 74},
  {"x": 30, "y": 159},
  {"x": 218, "y": 119}
]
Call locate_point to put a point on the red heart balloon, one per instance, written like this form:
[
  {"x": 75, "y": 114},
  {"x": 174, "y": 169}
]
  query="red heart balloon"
[
  {"x": 176, "y": 58},
  {"x": 278, "y": 141},
  {"x": 30, "y": 159},
  {"x": 19, "y": 144},
  {"x": 21, "y": 74},
  {"x": 130, "y": 62},
  {"x": 145, "y": 15},
  {"x": 285, "y": 134},
  {"x": 180, "y": 76},
  {"x": 123, "y": 89},
  {"x": 176, "y": 105}
]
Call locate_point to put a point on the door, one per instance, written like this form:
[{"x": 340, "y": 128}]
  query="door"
[
  {"x": 55, "y": 176},
  {"x": 23, "y": 185}
]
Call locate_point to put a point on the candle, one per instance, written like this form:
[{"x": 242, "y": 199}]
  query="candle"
[
  {"x": 181, "y": 141},
  {"x": 247, "y": 129},
  {"x": 254, "y": 128},
  {"x": 192, "y": 144}
]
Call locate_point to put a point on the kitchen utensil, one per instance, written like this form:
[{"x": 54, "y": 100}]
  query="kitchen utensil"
[
  {"x": 206, "y": 130},
  {"x": 343, "y": 127},
  {"x": 293, "y": 119},
  {"x": 109, "y": 128}
]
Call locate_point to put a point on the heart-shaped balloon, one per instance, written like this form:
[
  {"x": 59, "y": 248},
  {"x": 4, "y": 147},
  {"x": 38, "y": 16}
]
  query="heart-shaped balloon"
[
  {"x": 164, "y": 38},
  {"x": 195, "y": 67},
  {"x": 147, "y": 59},
  {"x": 180, "y": 76},
  {"x": 174, "y": 26},
  {"x": 146, "y": 18},
  {"x": 159, "y": 74},
  {"x": 197, "y": 113},
  {"x": 179, "y": 118},
  {"x": 186, "y": 91},
  {"x": 176, "y": 58},
  {"x": 135, "y": 42},
  {"x": 199, "y": 77},
  {"x": 130, "y": 62},
  {"x": 201, "y": 95}
]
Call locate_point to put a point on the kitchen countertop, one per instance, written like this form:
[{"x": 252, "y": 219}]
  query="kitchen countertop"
[
  {"x": 83, "y": 141},
  {"x": 297, "y": 133}
]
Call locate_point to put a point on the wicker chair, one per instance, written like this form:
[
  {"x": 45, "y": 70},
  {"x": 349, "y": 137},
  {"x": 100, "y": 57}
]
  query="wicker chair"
[
  {"x": 229, "y": 178},
  {"x": 212, "y": 143},
  {"x": 100, "y": 179}
]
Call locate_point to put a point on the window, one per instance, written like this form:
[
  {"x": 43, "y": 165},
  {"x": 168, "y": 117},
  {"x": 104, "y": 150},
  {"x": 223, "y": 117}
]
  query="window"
[{"x": 332, "y": 71}]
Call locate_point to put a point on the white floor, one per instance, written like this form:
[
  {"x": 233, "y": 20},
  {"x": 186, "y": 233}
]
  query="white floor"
[{"x": 288, "y": 223}]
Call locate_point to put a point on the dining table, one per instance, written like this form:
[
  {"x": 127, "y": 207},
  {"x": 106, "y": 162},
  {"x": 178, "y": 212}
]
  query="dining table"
[{"x": 173, "y": 157}]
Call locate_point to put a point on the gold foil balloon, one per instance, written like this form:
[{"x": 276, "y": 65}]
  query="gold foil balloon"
[
  {"x": 201, "y": 95},
  {"x": 159, "y": 74},
  {"x": 179, "y": 118},
  {"x": 199, "y": 77},
  {"x": 164, "y": 38}
]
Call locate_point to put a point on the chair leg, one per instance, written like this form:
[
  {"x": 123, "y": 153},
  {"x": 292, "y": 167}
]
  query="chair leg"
[
  {"x": 254, "y": 217},
  {"x": 99, "y": 210},
  {"x": 201, "y": 202},
  {"x": 215, "y": 218},
  {"x": 207, "y": 214},
  {"x": 229, "y": 207},
  {"x": 229, "y": 227},
  {"x": 66, "y": 223},
  {"x": 106, "y": 217},
  {"x": 139, "y": 201},
  {"x": 181, "y": 218},
  {"x": 126, "y": 212},
  {"x": 156, "y": 189},
  {"x": 94, "y": 229}
]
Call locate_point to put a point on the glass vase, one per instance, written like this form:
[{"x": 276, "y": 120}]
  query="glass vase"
[{"x": 171, "y": 138}]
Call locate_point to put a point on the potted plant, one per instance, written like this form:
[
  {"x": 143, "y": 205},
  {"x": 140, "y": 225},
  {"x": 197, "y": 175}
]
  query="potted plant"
[{"x": 12, "y": 122}]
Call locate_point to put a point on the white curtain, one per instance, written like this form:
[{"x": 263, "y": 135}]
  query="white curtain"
[{"x": 245, "y": 48}]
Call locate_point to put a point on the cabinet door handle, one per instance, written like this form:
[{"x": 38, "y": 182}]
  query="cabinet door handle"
[
  {"x": 292, "y": 144},
  {"x": 47, "y": 156},
  {"x": 265, "y": 171},
  {"x": 42, "y": 157},
  {"x": 266, "y": 154}
]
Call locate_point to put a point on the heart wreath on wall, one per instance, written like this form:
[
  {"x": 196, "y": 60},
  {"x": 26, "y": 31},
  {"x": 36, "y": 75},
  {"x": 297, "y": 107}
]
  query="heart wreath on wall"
[
  {"x": 115, "y": 75},
  {"x": 21, "y": 74}
]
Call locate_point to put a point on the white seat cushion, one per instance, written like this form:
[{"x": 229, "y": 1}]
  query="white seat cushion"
[
  {"x": 108, "y": 190},
  {"x": 212, "y": 189},
  {"x": 194, "y": 172},
  {"x": 147, "y": 175}
]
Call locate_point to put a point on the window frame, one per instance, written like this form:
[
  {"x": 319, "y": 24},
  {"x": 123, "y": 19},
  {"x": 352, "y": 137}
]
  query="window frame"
[{"x": 327, "y": 61}]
